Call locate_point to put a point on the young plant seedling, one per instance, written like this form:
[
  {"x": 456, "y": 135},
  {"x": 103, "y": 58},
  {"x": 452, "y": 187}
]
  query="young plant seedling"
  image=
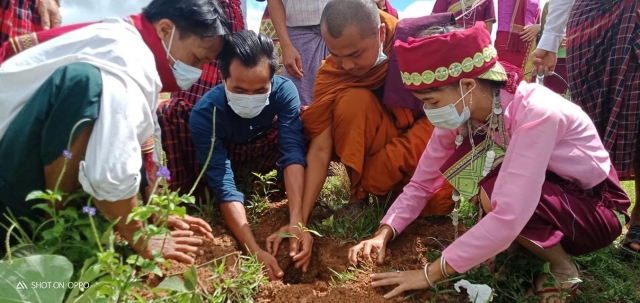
[{"x": 302, "y": 228}]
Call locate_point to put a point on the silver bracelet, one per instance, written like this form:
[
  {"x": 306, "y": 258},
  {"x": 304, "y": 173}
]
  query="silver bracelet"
[
  {"x": 427, "y": 275},
  {"x": 443, "y": 267},
  {"x": 393, "y": 230}
]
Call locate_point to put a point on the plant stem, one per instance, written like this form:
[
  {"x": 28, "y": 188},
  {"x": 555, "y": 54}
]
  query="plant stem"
[
  {"x": 64, "y": 166},
  {"x": 93, "y": 227},
  {"x": 206, "y": 263},
  {"x": 8, "y": 247},
  {"x": 206, "y": 163}
]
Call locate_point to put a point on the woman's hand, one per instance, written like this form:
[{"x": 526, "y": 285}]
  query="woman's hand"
[
  {"x": 377, "y": 244},
  {"x": 405, "y": 280},
  {"x": 530, "y": 32},
  {"x": 408, "y": 280}
]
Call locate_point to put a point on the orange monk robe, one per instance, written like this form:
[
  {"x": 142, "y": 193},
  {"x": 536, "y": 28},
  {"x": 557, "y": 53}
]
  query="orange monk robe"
[{"x": 380, "y": 143}]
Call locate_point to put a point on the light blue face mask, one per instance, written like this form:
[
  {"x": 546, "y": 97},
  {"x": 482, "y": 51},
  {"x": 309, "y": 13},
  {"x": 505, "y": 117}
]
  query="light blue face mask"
[
  {"x": 381, "y": 56},
  {"x": 186, "y": 75}
]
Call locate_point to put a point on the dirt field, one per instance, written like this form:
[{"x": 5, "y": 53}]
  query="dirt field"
[{"x": 408, "y": 252}]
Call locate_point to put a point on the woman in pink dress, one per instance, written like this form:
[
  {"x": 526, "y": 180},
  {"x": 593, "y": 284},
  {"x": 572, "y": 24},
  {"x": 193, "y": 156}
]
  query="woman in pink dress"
[
  {"x": 532, "y": 161},
  {"x": 468, "y": 12},
  {"x": 518, "y": 29}
]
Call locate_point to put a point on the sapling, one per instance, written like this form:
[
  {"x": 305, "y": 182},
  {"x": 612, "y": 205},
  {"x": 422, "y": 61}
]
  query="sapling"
[{"x": 304, "y": 229}]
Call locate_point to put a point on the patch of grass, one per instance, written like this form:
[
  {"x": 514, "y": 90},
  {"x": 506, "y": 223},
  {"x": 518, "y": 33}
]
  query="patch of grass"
[
  {"x": 240, "y": 287},
  {"x": 630, "y": 188},
  {"x": 352, "y": 225},
  {"x": 608, "y": 275},
  {"x": 350, "y": 274},
  {"x": 336, "y": 191}
]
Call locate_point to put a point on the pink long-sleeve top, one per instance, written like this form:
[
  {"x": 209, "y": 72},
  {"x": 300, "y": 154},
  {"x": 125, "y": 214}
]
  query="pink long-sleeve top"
[{"x": 546, "y": 132}]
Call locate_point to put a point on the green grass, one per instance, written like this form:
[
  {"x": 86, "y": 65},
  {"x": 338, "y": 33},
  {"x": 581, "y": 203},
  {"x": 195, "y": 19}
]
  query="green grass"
[{"x": 608, "y": 275}]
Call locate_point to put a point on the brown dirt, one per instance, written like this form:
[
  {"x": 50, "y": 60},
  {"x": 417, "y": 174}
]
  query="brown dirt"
[{"x": 407, "y": 252}]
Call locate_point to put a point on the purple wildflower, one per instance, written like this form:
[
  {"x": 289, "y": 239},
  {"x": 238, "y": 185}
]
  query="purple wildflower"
[
  {"x": 67, "y": 154},
  {"x": 163, "y": 172},
  {"x": 89, "y": 210}
]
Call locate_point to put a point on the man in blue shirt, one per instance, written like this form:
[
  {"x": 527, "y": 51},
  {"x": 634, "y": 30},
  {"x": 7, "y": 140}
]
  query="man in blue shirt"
[{"x": 257, "y": 118}]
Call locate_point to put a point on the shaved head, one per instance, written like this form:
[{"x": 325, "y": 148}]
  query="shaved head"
[{"x": 338, "y": 15}]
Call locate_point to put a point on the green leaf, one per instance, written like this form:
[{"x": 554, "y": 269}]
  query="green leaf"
[
  {"x": 191, "y": 278},
  {"x": 90, "y": 271},
  {"x": 173, "y": 284},
  {"x": 19, "y": 277},
  {"x": 58, "y": 229},
  {"x": 286, "y": 235},
  {"x": 314, "y": 232},
  {"x": 180, "y": 211},
  {"x": 91, "y": 295},
  {"x": 328, "y": 222},
  {"x": 38, "y": 194}
]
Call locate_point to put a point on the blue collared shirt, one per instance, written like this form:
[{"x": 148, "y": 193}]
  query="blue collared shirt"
[{"x": 231, "y": 128}]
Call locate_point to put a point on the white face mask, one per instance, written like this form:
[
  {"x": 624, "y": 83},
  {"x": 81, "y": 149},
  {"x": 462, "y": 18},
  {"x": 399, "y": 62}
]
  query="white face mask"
[
  {"x": 247, "y": 106},
  {"x": 447, "y": 117},
  {"x": 381, "y": 56},
  {"x": 186, "y": 75}
]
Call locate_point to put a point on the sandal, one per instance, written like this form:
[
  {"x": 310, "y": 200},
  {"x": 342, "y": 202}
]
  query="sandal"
[
  {"x": 574, "y": 290},
  {"x": 565, "y": 294},
  {"x": 633, "y": 236}
]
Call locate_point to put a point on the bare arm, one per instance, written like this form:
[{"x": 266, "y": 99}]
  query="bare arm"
[
  {"x": 279, "y": 19},
  {"x": 489, "y": 26},
  {"x": 121, "y": 209},
  {"x": 294, "y": 184},
  {"x": 318, "y": 159},
  {"x": 235, "y": 217}
]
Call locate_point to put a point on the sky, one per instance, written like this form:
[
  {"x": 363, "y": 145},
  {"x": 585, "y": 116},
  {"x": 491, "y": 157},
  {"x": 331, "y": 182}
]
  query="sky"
[{"x": 74, "y": 11}]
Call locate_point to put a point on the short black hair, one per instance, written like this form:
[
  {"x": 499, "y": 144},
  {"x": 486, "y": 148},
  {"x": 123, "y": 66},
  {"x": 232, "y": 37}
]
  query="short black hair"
[
  {"x": 250, "y": 48},
  {"x": 202, "y": 18},
  {"x": 340, "y": 14}
]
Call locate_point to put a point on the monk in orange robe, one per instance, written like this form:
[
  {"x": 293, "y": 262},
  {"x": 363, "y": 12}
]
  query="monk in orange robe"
[{"x": 379, "y": 144}]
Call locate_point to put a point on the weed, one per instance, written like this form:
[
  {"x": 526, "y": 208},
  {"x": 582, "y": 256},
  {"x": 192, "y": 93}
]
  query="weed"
[
  {"x": 350, "y": 274},
  {"x": 242, "y": 286},
  {"x": 336, "y": 190},
  {"x": 208, "y": 210},
  {"x": 259, "y": 201},
  {"x": 352, "y": 227}
]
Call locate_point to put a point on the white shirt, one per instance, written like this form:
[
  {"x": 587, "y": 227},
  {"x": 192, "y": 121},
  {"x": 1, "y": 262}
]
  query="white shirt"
[
  {"x": 131, "y": 84},
  {"x": 556, "y": 25}
]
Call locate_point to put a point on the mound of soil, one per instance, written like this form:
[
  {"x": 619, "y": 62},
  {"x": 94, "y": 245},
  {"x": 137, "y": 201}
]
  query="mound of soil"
[{"x": 407, "y": 252}]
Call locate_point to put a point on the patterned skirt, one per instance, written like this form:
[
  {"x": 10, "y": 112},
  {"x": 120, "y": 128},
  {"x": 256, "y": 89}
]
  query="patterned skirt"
[{"x": 603, "y": 50}]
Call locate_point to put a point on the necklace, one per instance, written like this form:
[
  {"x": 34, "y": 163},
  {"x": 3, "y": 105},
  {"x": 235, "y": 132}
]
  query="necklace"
[
  {"x": 495, "y": 124},
  {"x": 468, "y": 12}
]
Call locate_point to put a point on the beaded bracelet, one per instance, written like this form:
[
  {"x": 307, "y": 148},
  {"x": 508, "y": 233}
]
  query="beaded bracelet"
[{"x": 426, "y": 275}]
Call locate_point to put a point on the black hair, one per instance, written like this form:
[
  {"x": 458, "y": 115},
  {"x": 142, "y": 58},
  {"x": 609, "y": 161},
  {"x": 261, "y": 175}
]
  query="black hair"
[
  {"x": 202, "y": 18},
  {"x": 250, "y": 48},
  {"x": 340, "y": 14}
]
